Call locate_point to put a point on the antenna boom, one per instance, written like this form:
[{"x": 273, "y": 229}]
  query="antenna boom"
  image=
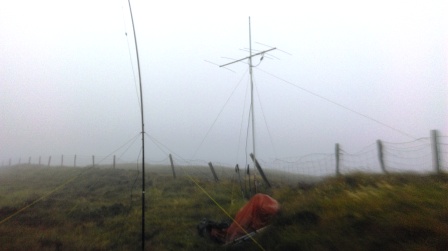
[{"x": 253, "y": 55}]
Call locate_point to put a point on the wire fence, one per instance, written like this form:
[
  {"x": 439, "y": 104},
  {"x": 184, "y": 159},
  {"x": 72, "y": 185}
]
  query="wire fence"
[
  {"x": 226, "y": 185},
  {"x": 67, "y": 160},
  {"x": 423, "y": 155}
]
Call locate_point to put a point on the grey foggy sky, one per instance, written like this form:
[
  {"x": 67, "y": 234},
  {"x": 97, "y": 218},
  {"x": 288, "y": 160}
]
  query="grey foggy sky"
[{"x": 67, "y": 76}]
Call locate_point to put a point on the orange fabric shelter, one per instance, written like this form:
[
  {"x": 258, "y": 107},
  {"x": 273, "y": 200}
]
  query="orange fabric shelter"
[{"x": 256, "y": 214}]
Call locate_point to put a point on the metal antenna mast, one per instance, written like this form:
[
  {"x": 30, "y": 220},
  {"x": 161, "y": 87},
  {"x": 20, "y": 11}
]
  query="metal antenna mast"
[
  {"x": 251, "y": 85},
  {"x": 251, "y": 92},
  {"x": 143, "y": 129}
]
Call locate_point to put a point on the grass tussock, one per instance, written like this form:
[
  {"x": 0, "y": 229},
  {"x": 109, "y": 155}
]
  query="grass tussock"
[{"x": 100, "y": 209}]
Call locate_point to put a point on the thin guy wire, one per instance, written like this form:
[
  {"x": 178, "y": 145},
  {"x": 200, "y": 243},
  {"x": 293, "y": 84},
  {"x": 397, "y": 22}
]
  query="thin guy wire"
[
  {"x": 130, "y": 57},
  {"x": 265, "y": 122},
  {"x": 241, "y": 124},
  {"x": 337, "y": 104},
  {"x": 219, "y": 114}
]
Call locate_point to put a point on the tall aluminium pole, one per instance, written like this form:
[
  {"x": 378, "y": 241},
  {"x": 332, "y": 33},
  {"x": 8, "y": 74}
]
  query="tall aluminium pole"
[
  {"x": 252, "y": 93},
  {"x": 143, "y": 129}
]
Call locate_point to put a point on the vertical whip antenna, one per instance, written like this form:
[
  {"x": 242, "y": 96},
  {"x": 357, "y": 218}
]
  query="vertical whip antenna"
[{"x": 143, "y": 128}]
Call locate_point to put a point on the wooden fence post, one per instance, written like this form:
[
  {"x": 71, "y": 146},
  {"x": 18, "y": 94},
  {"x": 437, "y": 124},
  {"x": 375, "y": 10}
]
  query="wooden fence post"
[
  {"x": 257, "y": 165},
  {"x": 74, "y": 161},
  {"x": 114, "y": 162},
  {"x": 93, "y": 160},
  {"x": 237, "y": 170},
  {"x": 62, "y": 160},
  {"x": 9, "y": 164},
  {"x": 379, "y": 146},
  {"x": 172, "y": 165},
  {"x": 337, "y": 153},
  {"x": 39, "y": 160},
  {"x": 213, "y": 171},
  {"x": 29, "y": 160},
  {"x": 49, "y": 161},
  {"x": 435, "y": 151},
  {"x": 250, "y": 186}
]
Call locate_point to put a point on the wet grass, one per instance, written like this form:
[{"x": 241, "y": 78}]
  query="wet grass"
[{"x": 100, "y": 209}]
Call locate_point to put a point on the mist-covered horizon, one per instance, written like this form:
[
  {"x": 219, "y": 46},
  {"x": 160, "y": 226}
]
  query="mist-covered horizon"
[{"x": 349, "y": 72}]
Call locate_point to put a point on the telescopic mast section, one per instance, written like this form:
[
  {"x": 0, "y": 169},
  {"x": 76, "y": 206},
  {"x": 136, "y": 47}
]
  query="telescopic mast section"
[
  {"x": 251, "y": 86},
  {"x": 143, "y": 128}
]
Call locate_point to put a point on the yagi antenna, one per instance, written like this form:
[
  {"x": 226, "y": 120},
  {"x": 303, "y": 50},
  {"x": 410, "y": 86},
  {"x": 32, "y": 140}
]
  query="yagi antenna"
[
  {"x": 251, "y": 87},
  {"x": 265, "y": 55},
  {"x": 218, "y": 65},
  {"x": 249, "y": 57},
  {"x": 272, "y": 47}
]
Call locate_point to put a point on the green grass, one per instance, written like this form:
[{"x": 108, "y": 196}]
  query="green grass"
[{"x": 100, "y": 209}]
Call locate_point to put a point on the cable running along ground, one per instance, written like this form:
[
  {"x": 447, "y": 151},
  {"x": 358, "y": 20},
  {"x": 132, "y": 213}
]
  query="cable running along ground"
[
  {"x": 63, "y": 184},
  {"x": 206, "y": 193}
]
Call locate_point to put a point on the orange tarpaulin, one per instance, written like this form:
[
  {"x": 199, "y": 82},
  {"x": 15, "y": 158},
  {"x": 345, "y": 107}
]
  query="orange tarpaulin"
[{"x": 256, "y": 214}]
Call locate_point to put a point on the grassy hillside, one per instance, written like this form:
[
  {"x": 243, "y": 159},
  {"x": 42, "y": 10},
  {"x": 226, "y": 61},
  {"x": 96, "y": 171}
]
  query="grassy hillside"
[{"x": 61, "y": 208}]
